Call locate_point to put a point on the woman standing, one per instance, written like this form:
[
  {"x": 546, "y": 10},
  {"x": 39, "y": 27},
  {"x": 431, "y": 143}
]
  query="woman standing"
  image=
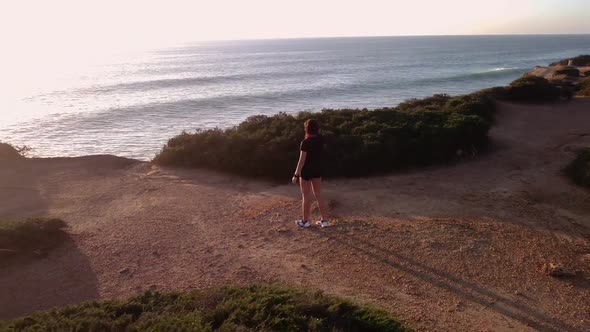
[{"x": 309, "y": 172}]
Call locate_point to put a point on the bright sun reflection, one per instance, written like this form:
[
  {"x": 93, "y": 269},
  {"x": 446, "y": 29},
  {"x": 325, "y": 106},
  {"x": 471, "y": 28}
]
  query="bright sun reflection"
[{"x": 49, "y": 43}]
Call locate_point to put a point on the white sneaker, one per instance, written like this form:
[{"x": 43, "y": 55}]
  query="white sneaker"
[
  {"x": 322, "y": 223},
  {"x": 303, "y": 223}
]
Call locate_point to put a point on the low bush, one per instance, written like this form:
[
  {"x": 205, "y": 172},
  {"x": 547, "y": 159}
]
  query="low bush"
[
  {"x": 579, "y": 169},
  {"x": 359, "y": 142},
  {"x": 532, "y": 89},
  {"x": 567, "y": 88},
  {"x": 433, "y": 103},
  {"x": 34, "y": 236},
  {"x": 579, "y": 61},
  {"x": 254, "y": 308},
  {"x": 568, "y": 71}
]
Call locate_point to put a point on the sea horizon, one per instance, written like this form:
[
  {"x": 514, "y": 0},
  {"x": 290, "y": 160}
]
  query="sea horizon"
[{"x": 380, "y": 36}]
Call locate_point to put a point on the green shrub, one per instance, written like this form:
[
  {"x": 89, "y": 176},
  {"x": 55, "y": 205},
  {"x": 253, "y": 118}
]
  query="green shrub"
[
  {"x": 359, "y": 142},
  {"x": 254, "y": 308},
  {"x": 579, "y": 61},
  {"x": 568, "y": 71},
  {"x": 33, "y": 236},
  {"x": 579, "y": 169},
  {"x": 494, "y": 93},
  {"x": 532, "y": 89},
  {"x": 433, "y": 103}
]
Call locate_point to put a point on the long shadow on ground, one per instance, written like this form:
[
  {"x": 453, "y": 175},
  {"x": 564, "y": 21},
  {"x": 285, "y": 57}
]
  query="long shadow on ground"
[
  {"x": 67, "y": 278},
  {"x": 465, "y": 289}
]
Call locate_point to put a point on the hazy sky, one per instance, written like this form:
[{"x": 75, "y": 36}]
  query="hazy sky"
[{"x": 120, "y": 24}]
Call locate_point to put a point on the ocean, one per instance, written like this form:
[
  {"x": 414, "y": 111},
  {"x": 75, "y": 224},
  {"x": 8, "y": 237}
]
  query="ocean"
[{"x": 131, "y": 105}]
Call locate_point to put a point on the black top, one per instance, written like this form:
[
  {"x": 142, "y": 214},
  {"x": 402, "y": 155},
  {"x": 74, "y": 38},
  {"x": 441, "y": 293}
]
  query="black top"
[{"x": 314, "y": 146}]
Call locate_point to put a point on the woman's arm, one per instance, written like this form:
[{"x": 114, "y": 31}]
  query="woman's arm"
[{"x": 300, "y": 163}]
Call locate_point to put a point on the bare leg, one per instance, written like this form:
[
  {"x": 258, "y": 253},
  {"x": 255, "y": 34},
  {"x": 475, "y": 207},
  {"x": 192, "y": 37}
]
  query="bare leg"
[
  {"x": 306, "y": 193},
  {"x": 317, "y": 192}
]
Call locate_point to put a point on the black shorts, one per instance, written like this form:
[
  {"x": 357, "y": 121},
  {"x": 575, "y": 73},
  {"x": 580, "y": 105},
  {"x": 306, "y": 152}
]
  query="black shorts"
[{"x": 308, "y": 174}]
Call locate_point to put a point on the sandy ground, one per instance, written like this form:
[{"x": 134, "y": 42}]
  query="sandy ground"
[{"x": 457, "y": 247}]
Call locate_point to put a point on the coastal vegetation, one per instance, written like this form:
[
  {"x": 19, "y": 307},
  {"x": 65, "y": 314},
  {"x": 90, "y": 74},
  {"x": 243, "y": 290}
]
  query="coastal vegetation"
[
  {"x": 579, "y": 61},
  {"x": 579, "y": 169},
  {"x": 532, "y": 89},
  {"x": 29, "y": 238},
  {"x": 253, "y": 308},
  {"x": 569, "y": 71},
  {"x": 359, "y": 141}
]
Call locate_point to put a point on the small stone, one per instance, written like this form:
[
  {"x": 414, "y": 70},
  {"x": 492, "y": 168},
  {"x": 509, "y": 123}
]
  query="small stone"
[
  {"x": 124, "y": 271},
  {"x": 557, "y": 270}
]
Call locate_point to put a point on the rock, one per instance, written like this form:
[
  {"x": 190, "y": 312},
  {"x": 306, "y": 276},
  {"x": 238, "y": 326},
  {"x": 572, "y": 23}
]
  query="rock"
[
  {"x": 9, "y": 153},
  {"x": 559, "y": 271},
  {"x": 124, "y": 271}
]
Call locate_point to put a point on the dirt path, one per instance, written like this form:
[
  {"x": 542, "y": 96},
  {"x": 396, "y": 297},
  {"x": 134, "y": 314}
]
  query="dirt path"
[{"x": 449, "y": 248}]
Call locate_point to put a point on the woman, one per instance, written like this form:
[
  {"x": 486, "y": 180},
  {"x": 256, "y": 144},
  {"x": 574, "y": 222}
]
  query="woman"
[{"x": 309, "y": 172}]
